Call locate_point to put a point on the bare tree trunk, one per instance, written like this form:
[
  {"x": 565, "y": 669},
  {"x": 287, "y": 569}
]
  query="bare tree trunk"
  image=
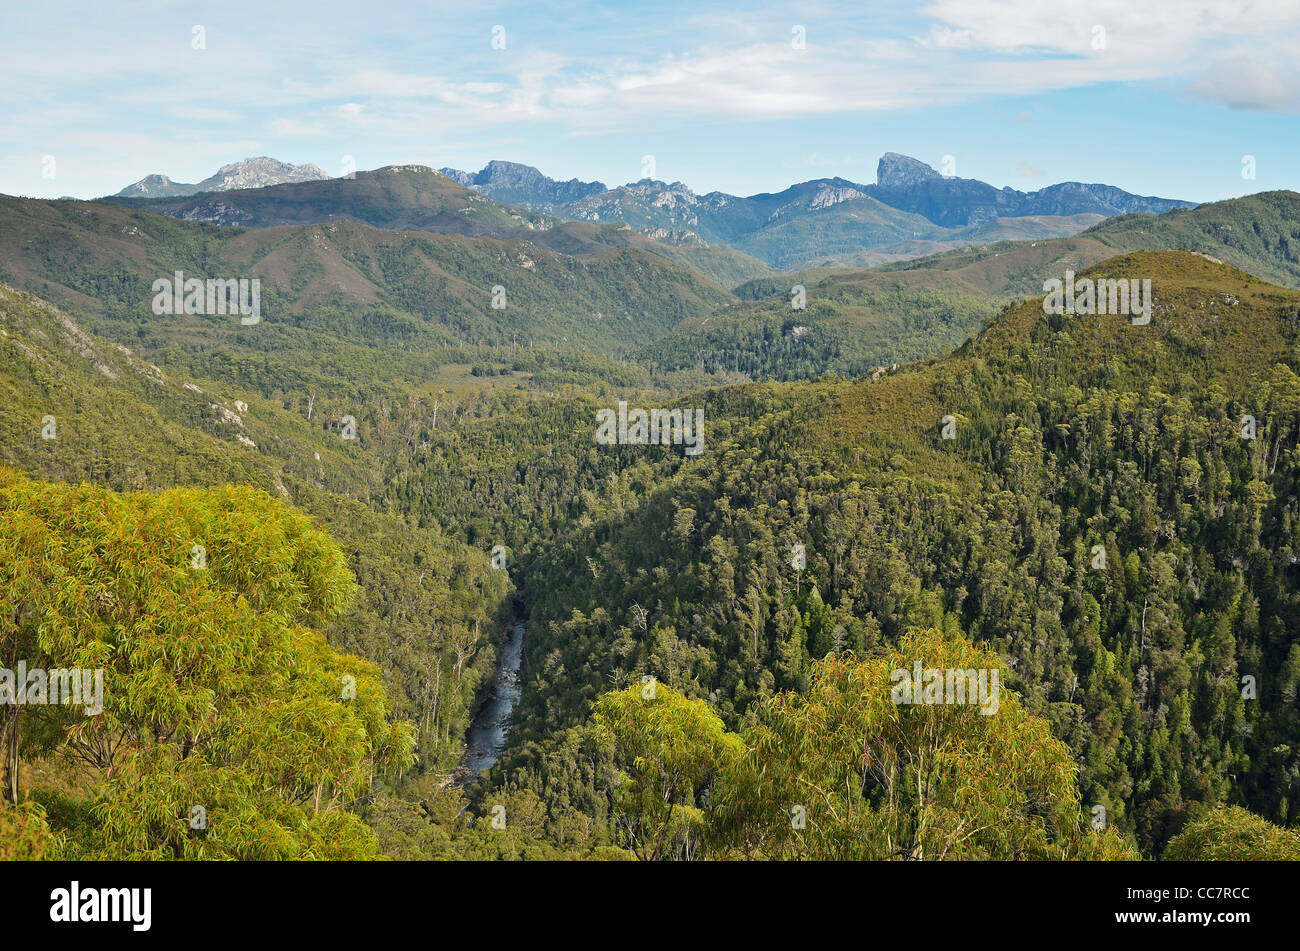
[
  {"x": 1143, "y": 642},
  {"x": 10, "y": 734}
]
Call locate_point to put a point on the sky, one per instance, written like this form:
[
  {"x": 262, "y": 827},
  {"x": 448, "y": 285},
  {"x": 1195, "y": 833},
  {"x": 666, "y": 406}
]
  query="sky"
[{"x": 1189, "y": 99}]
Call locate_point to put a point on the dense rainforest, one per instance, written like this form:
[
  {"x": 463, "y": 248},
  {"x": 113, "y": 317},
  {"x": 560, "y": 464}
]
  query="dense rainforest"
[
  {"x": 1099, "y": 520},
  {"x": 1104, "y": 513}
]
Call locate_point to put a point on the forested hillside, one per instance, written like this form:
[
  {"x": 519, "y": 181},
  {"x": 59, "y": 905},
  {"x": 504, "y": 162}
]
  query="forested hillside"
[
  {"x": 1098, "y": 521},
  {"x": 381, "y": 300},
  {"x": 78, "y": 408},
  {"x": 1258, "y": 233},
  {"x": 853, "y": 322},
  {"x": 851, "y": 325}
]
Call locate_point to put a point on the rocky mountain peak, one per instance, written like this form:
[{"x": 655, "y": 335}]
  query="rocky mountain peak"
[
  {"x": 902, "y": 171},
  {"x": 154, "y": 185},
  {"x": 259, "y": 172}
]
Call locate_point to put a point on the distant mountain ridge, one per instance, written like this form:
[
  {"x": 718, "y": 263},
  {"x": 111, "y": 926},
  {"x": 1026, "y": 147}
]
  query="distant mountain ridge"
[
  {"x": 909, "y": 184},
  {"x": 902, "y": 182},
  {"x": 418, "y": 198},
  {"x": 911, "y": 210},
  {"x": 517, "y": 184},
  {"x": 910, "y": 201},
  {"x": 256, "y": 172}
]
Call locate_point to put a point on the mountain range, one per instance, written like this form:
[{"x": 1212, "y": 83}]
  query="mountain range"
[
  {"x": 902, "y": 182},
  {"x": 912, "y": 210},
  {"x": 406, "y": 257},
  {"x": 250, "y": 173},
  {"x": 909, "y": 201}
]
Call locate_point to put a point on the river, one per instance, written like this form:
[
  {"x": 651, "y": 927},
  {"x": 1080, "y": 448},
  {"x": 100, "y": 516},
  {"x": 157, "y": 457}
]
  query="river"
[{"x": 487, "y": 733}]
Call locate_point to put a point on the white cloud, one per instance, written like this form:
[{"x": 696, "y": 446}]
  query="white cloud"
[{"x": 1246, "y": 83}]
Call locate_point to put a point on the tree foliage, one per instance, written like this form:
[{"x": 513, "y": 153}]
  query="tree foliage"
[
  {"x": 1233, "y": 834},
  {"x": 229, "y": 727},
  {"x": 843, "y": 771},
  {"x": 668, "y": 749}
]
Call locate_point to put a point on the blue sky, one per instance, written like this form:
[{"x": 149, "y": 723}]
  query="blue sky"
[{"x": 1161, "y": 98}]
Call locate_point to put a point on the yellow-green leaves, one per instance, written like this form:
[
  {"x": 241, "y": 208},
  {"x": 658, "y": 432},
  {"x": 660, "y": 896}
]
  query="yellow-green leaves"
[
  {"x": 669, "y": 749},
  {"x": 24, "y": 833},
  {"x": 846, "y": 771},
  {"x": 230, "y": 728},
  {"x": 1233, "y": 835}
]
